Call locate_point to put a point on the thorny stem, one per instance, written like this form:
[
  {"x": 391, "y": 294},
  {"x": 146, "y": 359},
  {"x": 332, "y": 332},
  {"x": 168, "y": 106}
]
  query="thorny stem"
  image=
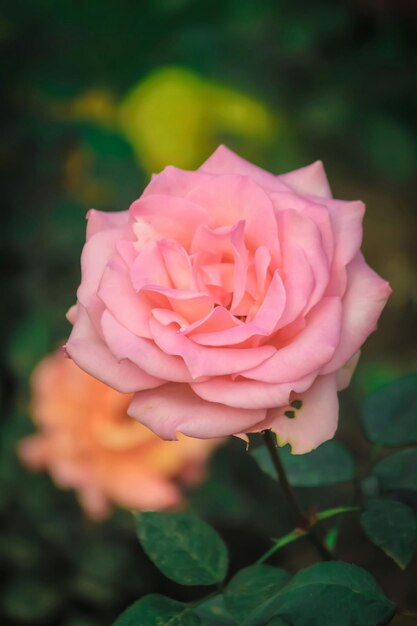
[{"x": 303, "y": 522}]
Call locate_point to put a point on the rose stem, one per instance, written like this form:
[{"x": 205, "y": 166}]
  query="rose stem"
[{"x": 301, "y": 518}]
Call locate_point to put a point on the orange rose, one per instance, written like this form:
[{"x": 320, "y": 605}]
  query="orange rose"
[{"x": 88, "y": 443}]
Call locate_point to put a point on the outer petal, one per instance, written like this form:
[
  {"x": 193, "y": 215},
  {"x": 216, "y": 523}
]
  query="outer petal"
[
  {"x": 312, "y": 348},
  {"x": 311, "y": 179},
  {"x": 344, "y": 375},
  {"x": 249, "y": 394},
  {"x": 91, "y": 354},
  {"x": 314, "y": 423},
  {"x": 105, "y": 220},
  {"x": 225, "y": 161},
  {"x": 174, "y": 181},
  {"x": 365, "y": 298},
  {"x": 176, "y": 408},
  {"x": 96, "y": 253}
]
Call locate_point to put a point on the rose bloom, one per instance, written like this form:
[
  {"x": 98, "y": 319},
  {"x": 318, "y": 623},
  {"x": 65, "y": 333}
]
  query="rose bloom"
[
  {"x": 88, "y": 442},
  {"x": 228, "y": 300}
]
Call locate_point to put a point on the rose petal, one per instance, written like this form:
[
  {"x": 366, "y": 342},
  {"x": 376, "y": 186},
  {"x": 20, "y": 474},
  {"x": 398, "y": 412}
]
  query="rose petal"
[
  {"x": 263, "y": 324},
  {"x": 90, "y": 353},
  {"x": 167, "y": 217},
  {"x": 142, "y": 352},
  {"x": 225, "y": 161},
  {"x": 344, "y": 375},
  {"x": 105, "y": 220},
  {"x": 308, "y": 351},
  {"x": 117, "y": 294},
  {"x": 95, "y": 256},
  {"x": 310, "y": 179},
  {"x": 202, "y": 361},
  {"x": 233, "y": 198},
  {"x": 366, "y": 296},
  {"x": 176, "y": 408},
  {"x": 174, "y": 182},
  {"x": 305, "y": 264},
  {"x": 314, "y": 423},
  {"x": 249, "y": 394}
]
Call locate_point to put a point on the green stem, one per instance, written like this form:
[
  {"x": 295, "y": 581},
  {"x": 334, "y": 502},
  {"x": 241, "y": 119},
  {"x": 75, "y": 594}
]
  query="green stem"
[
  {"x": 297, "y": 533},
  {"x": 302, "y": 521}
]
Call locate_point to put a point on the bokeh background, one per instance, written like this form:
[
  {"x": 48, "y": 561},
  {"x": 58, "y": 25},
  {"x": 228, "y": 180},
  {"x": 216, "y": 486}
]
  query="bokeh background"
[{"x": 97, "y": 96}]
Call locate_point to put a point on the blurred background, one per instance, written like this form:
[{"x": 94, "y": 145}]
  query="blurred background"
[{"x": 97, "y": 96}]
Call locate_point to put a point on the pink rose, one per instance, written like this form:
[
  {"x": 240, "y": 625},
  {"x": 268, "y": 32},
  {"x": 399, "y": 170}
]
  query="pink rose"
[
  {"x": 229, "y": 300},
  {"x": 87, "y": 442}
]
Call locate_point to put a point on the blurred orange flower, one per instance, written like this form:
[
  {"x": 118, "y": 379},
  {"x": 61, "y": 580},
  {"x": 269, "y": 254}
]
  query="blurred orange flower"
[{"x": 88, "y": 443}]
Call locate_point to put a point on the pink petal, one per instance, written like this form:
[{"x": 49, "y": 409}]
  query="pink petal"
[
  {"x": 95, "y": 256},
  {"x": 312, "y": 348},
  {"x": 167, "y": 217},
  {"x": 305, "y": 264},
  {"x": 346, "y": 220},
  {"x": 314, "y": 423},
  {"x": 263, "y": 323},
  {"x": 105, "y": 220},
  {"x": 149, "y": 269},
  {"x": 344, "y": 375},
  {"x": 228, "y": 242},
  {"x": 116, "y": 292},
  {"x": 191, "y": 305},
  {"x": 262, "y": 263},
  {"x": 224, "y": 161},
  {"x": 176, "y": 408},
  {"x": 311, "y": 179},
  {"x": 202, "y": 361},
  {"x": 219, "y": 319},
  {"x": 229, "y": 199},
  {"x": 172, "y": 181},
  {"x": 178, "y": 265},
  {"x": 249, "y": 394},
  {"x": 90, "y": 353},
  {"x": 365, "y": 298},
  {"x": 142, "y": 352}
]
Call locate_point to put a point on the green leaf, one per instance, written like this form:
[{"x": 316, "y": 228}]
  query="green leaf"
[
  {"x": 329, "y": 464},
  {"x": 213, "y": 612},
  {"x": 157, "y": 610},
  {"x": 251, "y": 587},
  {"x": 398, "y": 471},
  {"x": 329, "y": 594},
  {"x": 392, "y": 526},
  {"x": 390, "y": 413},
  {"x": 183, "y": 547}
]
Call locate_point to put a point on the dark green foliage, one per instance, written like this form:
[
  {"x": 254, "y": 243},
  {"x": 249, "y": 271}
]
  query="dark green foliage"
[
  {"x": 183, "y": 547},
  {"x": 157, "y": 610},
  {"x": 252, "y": 587},
  {"x": 392, "y": 526},
  {"x": 213, "y": 612},
  {"x": 390, "y": 413},
  {"x": 330, "y": 594},
  {"x": 329, "y": 464},
  {"x": 398, "y": 471}
]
